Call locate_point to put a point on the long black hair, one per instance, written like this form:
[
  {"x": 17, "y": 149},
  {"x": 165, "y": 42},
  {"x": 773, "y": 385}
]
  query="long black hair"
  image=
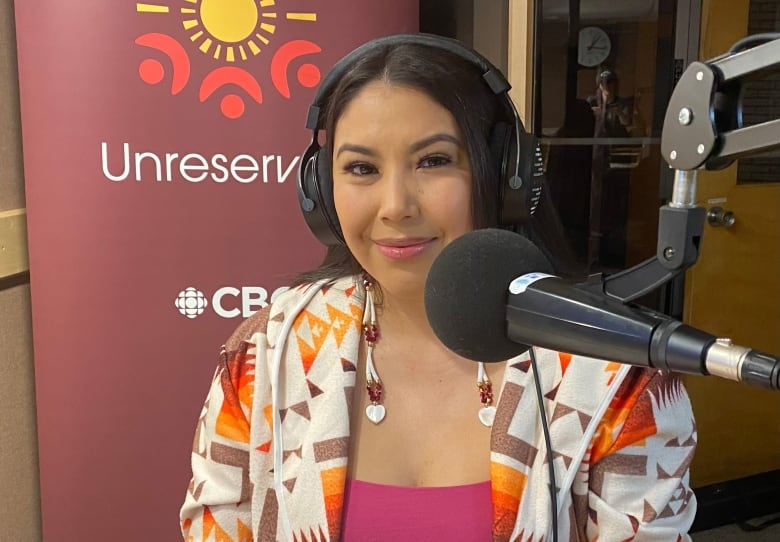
[{"x": 457, "y": 85}]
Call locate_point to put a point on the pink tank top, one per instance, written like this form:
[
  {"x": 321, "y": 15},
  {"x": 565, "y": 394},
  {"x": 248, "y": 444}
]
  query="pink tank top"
[{"x": 380, "y": 513}]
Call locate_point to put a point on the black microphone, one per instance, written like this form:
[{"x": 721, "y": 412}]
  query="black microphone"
[{"x": 490, "y": 293}]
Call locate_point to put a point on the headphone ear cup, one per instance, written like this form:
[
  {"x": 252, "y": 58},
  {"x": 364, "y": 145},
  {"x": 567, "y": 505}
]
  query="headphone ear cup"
[
  {"x": 315, "y": 196},
  {"x": 521, "y": 177},
  {"x": 498, "y": 147},
  {"x": 503, "y": 151},
  {"x": 324, "y": 190}
]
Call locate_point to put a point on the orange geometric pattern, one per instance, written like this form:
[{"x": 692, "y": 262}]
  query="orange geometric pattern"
[
  {"x": 565, "y": 360},
  {"x": 625, "y": 421},
  {"x": 237, "y": 380},
  {"x": 267, "y": 414},
  {"x": 210, "y": 524},
  {"x": 626, "y": 469},
  {"x": 310, "y": 332},
  {"x": 340, "y": 323},
  {"x": 507, "y": 486},
  {"x": 333, "y": 481}
]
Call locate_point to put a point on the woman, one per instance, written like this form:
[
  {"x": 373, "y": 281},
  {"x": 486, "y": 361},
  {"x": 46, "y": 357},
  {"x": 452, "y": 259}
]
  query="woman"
[{"x": 336, "y": 413}]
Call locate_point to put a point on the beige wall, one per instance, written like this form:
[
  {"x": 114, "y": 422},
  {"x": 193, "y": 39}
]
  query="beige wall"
[{"x": 19, "y": 498}]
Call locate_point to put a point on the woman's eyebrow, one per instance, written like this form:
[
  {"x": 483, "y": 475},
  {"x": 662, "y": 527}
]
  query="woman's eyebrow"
[
  {"x": 360, "y": 149},
  {"x": 414, "y": 147},
  {"x": 419, "y": 145}
]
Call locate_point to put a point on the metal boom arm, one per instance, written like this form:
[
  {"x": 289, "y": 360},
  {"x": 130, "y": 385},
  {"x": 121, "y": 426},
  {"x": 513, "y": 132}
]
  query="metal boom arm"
[{"x": 702, "y": 130}]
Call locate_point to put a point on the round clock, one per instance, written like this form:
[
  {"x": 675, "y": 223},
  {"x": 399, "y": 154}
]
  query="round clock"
[{"x": 594, "y": 46}]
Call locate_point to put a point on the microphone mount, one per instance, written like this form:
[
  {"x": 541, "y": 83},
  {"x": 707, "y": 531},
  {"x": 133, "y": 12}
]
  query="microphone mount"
[{"x": 702, "y": 129}]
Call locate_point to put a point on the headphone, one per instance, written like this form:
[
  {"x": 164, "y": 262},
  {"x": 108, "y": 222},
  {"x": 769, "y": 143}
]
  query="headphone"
[{"x": 517, "y": 153}]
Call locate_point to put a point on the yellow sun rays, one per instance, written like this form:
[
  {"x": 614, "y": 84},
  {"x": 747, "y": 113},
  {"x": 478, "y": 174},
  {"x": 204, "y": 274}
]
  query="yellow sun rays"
[
  {"x": 301, "y": 16},
  {"x": 151, "y": 8},
  {"x": 212, "y": 41}
]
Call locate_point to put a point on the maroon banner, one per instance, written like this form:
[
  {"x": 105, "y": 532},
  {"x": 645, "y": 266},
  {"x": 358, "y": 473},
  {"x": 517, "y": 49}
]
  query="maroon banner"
[{"x": 161, "y": 146}]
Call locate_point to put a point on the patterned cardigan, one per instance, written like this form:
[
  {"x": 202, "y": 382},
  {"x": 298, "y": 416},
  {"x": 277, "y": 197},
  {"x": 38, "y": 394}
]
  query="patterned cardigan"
[{"x": 270, "y": 453}]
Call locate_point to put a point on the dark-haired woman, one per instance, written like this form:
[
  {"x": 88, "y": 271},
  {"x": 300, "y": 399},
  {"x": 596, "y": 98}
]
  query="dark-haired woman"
[{"x": 336, "y": 413}]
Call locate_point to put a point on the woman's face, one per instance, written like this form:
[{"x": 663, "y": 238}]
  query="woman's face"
[{"x": 401, "y": 183}]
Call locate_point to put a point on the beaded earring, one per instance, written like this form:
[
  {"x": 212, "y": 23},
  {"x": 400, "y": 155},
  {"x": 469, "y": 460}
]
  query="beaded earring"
[{"x": 376, "y": 410}]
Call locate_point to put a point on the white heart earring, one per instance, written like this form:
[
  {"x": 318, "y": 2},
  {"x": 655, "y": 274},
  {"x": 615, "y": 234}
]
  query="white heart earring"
[{"x": 376, "y": 410}]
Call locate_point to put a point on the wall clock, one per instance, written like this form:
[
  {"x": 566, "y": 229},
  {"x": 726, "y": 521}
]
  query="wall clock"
[{"x": 593, "y": 47}]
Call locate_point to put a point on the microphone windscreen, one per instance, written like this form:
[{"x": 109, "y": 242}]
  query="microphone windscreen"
[{"x": 467, "y": 289}]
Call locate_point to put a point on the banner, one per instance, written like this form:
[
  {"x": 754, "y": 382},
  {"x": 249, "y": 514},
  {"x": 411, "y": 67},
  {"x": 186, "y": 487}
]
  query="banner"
[{"x": 161, "y": 146}]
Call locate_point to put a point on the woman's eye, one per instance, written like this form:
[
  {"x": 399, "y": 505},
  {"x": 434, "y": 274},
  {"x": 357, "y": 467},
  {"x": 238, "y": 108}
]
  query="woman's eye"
[
  {"x": 360, "y": 169},
  {"x": 435, "y": 161}
]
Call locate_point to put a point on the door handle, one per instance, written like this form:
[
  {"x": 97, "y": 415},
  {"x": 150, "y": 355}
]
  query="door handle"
[{"x": 717, "y": 216}]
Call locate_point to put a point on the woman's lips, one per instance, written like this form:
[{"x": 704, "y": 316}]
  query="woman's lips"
[{"x": 399, "y": 249}]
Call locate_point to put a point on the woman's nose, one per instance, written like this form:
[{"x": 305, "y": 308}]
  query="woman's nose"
[{"x": 398, "y": 196}]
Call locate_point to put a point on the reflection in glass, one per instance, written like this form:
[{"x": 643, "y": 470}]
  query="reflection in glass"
[{"x": 600, "y": 122}]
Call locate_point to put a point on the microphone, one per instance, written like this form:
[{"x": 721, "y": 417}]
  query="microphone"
[{"x": 490, "y": 293}]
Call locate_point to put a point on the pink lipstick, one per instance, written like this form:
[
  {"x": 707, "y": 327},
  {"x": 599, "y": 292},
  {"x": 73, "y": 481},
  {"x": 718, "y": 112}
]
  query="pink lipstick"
[{"x": 399, "y": 249}]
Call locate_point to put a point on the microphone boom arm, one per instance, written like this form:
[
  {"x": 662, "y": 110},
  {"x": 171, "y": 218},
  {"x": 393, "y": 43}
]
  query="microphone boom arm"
[{"x": 702, "y": 130}]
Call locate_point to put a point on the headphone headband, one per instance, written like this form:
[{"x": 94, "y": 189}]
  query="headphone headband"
[{"x": 492, "y": 75}]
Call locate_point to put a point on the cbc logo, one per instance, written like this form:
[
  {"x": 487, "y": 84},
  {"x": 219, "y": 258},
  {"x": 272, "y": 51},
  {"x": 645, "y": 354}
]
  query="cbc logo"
[{"x": 227, "y": 302}]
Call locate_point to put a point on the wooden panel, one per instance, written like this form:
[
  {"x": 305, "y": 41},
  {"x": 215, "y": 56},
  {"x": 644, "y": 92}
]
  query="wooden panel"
[
  {"x": 520, "y": 57},
  {"x": 723, "y": 23},
  {"x": 20, "y": 518},
  {"x": 733, "y": 291},
  {"x": 13, "y": 242}
]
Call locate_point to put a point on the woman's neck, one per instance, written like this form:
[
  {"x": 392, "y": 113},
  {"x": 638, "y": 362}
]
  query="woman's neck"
[{"x": 404, "y": 312}]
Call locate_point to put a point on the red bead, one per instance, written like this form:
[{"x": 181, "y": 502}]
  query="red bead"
[
  {"x": 371, "y": 333},
  {"x": 485, "y": 392},
  {"x": 374, "y": 391}
]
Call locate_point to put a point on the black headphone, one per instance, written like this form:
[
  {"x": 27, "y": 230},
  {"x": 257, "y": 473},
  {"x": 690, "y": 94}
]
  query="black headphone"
[{"x": 517, "y": 153}]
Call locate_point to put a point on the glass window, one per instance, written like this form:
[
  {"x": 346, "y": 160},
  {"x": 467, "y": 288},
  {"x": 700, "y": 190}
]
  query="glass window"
[{"x": 605, "y": 71}]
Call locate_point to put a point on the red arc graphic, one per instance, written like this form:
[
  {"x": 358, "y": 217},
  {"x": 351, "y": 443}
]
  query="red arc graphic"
[
  {"x": 308, "y": 74},
  {"x": 232, "y": 105},
  {"x": 152, "y": 71}
]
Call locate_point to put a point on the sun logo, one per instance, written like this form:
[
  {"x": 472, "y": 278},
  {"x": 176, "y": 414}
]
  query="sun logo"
[{"x": 234, "y": 32}]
